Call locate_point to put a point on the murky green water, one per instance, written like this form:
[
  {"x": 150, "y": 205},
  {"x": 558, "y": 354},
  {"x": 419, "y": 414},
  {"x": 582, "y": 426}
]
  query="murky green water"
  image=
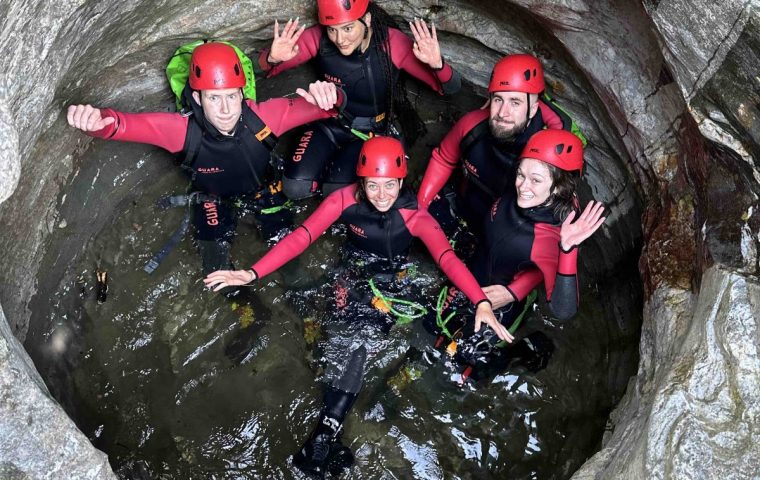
[{"x": 175, "y": 382}]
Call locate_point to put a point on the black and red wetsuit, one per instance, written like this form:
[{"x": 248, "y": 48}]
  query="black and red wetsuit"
[
  {"x": 488, "y": 166},
  {"x": 384, "y": 234},
  {"x": 327, "y": 151},
  {"x": 520, "y": 247},
  {"x": 226, "y": 166}
]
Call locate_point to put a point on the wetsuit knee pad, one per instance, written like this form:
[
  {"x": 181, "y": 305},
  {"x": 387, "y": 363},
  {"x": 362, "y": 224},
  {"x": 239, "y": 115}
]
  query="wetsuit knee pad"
[
  {"x": 314, "y": 149},
  {"x": 214, "y": 221},
  {"x": 296, "y": 189},
  {"x": 215, "y": 255}
]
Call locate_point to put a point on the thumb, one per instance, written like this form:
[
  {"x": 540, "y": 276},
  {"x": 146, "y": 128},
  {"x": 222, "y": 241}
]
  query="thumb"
[
  {"x": 107, "y": 121},
  {"x": 477, "y": 324}
]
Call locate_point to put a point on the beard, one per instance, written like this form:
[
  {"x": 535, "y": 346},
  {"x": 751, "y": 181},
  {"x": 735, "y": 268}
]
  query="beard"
[{"x": 504, "y": 134}]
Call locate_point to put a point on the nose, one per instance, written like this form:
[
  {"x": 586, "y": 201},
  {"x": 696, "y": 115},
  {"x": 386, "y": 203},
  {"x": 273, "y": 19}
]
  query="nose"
[
  {"x": 505, "y": 111},
  {"x": 225, "y": 105}
]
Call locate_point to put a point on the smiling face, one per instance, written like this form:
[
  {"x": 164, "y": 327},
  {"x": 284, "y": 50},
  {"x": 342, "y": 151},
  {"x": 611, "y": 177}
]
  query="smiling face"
[
  {"x": 533, "y": 184},
  {"x": 509, "y": 114},
  {"x": 350, "y": 35},
  {"x": 382, "y": 192},
  {"x": 222, "y": 107}
]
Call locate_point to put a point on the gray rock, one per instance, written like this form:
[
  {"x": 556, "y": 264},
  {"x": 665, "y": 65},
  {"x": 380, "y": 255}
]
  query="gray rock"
[
  {"x": 693, "y": 410},
  {"x": 39, "y": 439}
]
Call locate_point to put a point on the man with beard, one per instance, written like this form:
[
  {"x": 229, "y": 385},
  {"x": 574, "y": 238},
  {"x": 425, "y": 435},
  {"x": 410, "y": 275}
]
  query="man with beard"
[{"x": 488, "y": 142}]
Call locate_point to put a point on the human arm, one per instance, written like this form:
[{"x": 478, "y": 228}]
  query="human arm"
[
  {"x": 291, "y": 246},
  {"x": 445, "y": 80},
  {"x": 290, "y": 48},
  {"x": 563, "y": 297},
  {"x": 283, "y": 114},
  {"x": 445, "y": 158},
  {"x": 423, "y": 226},
  {"x": 165, "y": 130}
]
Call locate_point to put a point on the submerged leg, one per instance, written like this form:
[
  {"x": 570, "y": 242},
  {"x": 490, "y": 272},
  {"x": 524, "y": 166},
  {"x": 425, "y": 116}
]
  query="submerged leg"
[{"x": 323, "y": 452}]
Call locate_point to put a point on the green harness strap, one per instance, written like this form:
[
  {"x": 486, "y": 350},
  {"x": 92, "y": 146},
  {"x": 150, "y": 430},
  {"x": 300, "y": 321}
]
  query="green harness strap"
[
  {"x": 441, "y": 322},
  {"x": 402, "y": 318}
]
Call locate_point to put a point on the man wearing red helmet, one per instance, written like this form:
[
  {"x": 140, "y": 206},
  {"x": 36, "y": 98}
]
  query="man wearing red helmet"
[
  {"x": 382, "y": 220},
  {"x": 533, "y": 226},
  {"x": 358, "y": 47},
  {"x": 486, "y": 142},
  {"x": 225, "y": 141}
]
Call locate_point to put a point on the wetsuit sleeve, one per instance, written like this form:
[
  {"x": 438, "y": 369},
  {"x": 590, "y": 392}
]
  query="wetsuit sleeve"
[
  {"x": 165, "y": 130},
  {"x": 423, "y": 226},
  {"x": 294, "y": 244},
  {"x": 559, "y": 271},
  {"x": 283, "y": 114},
  {"x": 565, "y": 296},
  {"x": 444, "y": 81},
  {"x": 524, "y": 282},
  {"x": 445, "y": 158},
  {"x": 308, "y": 47},
  {"x": 551, "y": 119}
]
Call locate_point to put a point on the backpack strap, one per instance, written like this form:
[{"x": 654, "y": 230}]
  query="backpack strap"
[
  {"x": 567, "y": 121},
  {"x": 260, "y": 130},
  {"x": 192, "y": 145}
]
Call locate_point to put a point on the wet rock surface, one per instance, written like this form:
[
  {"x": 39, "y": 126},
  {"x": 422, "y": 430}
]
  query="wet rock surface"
[{"x": 647, "y": 82}]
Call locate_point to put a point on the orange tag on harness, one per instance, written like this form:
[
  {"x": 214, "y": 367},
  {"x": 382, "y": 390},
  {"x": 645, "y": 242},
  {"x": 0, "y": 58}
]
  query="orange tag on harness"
[
  {"x": 380, "y": 304},
  {"x": 451, "y": 349},
  {"x": 263, "y": 133},
  {"x": 380, "y": 118}
]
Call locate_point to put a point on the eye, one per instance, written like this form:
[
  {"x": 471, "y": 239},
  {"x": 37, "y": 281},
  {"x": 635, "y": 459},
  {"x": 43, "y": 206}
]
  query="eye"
[{"x": 372, "y": 187}]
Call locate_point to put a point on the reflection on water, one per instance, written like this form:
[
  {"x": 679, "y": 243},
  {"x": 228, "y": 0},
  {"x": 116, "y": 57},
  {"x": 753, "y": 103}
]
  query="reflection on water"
[{"x": 175, "y": 382}]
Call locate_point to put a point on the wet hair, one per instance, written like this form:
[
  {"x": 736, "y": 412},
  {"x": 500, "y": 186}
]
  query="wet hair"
[
  {"x": 397, "y": 104},
  {"x": 562, "y": 199}
]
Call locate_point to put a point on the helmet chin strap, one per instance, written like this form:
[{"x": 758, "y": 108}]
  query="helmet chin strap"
[{"x": 527, "y": 113}]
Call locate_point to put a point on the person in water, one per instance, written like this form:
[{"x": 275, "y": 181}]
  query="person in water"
[
  {"x": 357, "y": 46},
  {"x": 382, "y": 219},
  {"x": 229, "y": 160},
  {"x": 534, "y": 226},
  {"x": 485, "y": 143}
]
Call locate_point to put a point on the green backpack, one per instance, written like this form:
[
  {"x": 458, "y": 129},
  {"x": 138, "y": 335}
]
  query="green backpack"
[{"x": 178, "y": 70}]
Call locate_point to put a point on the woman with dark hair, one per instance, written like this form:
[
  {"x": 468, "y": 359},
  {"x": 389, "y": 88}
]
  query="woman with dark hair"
[
  {"x": 382, "y": 220},
  {"x": 359, "y": 47},
  {"x": 531, "y": 234}
]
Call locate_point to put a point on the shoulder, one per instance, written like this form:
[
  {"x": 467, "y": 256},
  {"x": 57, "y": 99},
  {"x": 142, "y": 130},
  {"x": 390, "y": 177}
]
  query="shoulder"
[{"x": 470, "y": 119}]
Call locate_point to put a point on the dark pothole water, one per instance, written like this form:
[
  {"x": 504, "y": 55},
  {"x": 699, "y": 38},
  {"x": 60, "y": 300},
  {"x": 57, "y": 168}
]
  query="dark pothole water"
[{"x": 175, "y": 382}]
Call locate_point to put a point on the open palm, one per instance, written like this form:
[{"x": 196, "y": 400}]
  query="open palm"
[{"x": 572, "y": 233}]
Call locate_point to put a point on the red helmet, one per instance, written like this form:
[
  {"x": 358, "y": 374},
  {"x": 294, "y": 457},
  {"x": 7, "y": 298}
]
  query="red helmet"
[
  {"x": 382, "y": 157},
  {"x": 517, "y": 73},
  {"x": 335, "y": 12},
  {"x": 215, "y": 65},
  {"x": 560, "y": 148}
]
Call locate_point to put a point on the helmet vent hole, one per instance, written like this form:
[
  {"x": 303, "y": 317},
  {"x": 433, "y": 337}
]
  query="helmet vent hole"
[
  {"x": 398, "y": 161},
  {"x": 569, "y": 148},
  {"x": 526, "y": 74},
  {"x": 197, "y": 71},
  {"x": 559, "y": 148},
  {"x": 364, "y": 160},
  {"x": 237, "y": 70},
  {"x": 347, "y": 4}
]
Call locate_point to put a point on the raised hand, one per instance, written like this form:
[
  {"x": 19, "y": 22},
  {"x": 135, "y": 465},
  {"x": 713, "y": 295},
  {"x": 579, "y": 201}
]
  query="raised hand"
[
  {"x": 226, "y": 278},
  {"x": 484, "y": 314},
  {"x": 322, "y": 94},
  {"x": 284, "y": 46},
  {"x": 87, "y": 118},
  {"x": 426, "y": 47},
  {"x": 572, "y": 233}
]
